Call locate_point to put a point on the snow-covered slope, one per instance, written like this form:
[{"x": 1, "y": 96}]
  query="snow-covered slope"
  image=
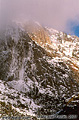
[
  {"x": 33, "y": 80},
  {"x": 66, "y": 48}
]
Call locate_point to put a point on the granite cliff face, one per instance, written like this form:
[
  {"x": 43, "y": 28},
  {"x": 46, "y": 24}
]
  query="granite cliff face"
[
  {"x": 37, "y": 32},
  {"x": 37, "y": 75}
]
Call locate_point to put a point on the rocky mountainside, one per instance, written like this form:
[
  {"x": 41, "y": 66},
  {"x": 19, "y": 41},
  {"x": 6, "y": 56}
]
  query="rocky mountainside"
[
  {"x": 36, "y": 75},
  {"x": 59, "y": 45}
]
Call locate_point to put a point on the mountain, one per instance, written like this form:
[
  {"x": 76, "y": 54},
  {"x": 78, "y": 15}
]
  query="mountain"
[
  {"x": 58, "y": 44},
  {"x": 39, "y": 68}
]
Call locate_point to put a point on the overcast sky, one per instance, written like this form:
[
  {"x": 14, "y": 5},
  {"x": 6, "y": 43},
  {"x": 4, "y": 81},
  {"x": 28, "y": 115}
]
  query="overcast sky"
[{"x": 53, "y": 13}]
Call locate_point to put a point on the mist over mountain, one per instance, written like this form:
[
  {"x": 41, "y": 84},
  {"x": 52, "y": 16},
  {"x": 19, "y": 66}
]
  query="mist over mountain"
[
  {"x": 39, "y": 68},
  {"x": 51, "y": 13}
]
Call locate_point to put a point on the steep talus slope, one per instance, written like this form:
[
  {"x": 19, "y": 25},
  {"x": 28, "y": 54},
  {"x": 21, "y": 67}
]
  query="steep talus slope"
[{"x": 30, "y": 79}]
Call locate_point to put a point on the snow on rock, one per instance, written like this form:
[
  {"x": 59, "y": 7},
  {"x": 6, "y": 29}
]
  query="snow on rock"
[{"x": 33, "y": 81}]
